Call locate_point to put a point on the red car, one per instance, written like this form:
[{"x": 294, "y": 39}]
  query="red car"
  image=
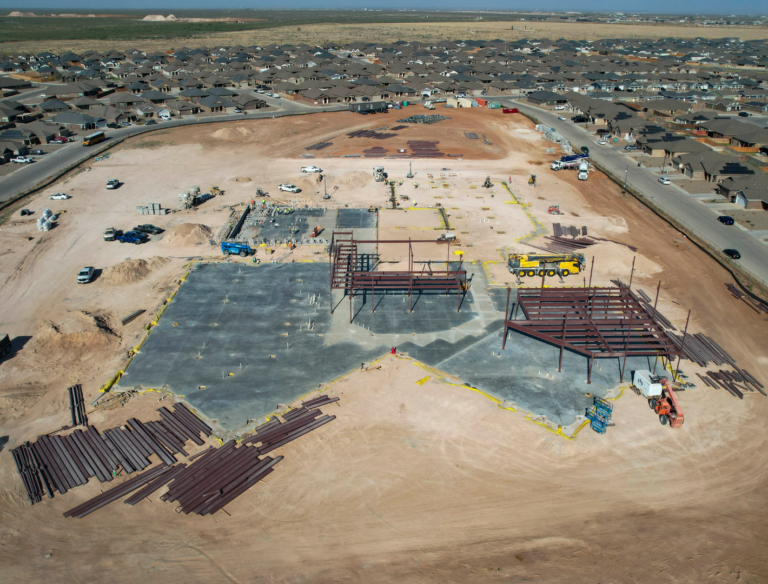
[
  {"x": 60, "y": 140},
  {"x": 509, "y": 110}
]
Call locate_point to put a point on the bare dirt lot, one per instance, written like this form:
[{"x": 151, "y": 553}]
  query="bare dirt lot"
[
  {"x": 412, "y": 482},
  {"x": 340, "y": 33}
]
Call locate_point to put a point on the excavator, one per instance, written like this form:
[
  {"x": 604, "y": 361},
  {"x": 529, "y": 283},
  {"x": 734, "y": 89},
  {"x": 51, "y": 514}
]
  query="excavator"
[{"x": 667, "y": 406}]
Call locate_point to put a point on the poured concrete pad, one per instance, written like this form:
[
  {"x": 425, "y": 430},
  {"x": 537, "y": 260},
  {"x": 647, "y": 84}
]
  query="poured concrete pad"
[{"x": 239, "y": 339}]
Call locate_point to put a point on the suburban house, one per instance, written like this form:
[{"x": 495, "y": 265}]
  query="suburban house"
[
  {"x": 547, "y": 98},
  {"x": 750, "y": 192},
  {"x": 710, "y": 166}
]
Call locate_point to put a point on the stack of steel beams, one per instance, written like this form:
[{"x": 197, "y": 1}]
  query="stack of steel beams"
[
  {"x": 217, "y": 478},
  {"x": 59, "y": 463},
  {"x": 754, "y": 303},
  {"x": 77, "y": 406}
]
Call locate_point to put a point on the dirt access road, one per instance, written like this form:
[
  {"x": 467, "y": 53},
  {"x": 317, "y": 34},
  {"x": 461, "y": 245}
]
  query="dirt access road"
[{"x": 411, "y": 483}]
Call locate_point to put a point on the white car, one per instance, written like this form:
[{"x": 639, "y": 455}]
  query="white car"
[
  {"x": 602, "y": 142},
  {"x": 237, "y": 110},
  {"x": 112, "y": 184},
  {"x": 559, "y": 107},
  {"x": 561, "y": 118},
  {"x": 22, "y": 160},
  {"x": 59, "y": 197},
  {"x": 289, "y": 188},
  {"x": 259, "y": 91},
  {"x": 665, "y": 181},
  {"x": 311, "y": 169},
  {"x": 85, "y": 275}
]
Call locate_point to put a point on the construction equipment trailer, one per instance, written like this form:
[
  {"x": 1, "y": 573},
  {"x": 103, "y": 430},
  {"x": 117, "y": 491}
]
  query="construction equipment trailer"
[{"x": 548, "y": 265}]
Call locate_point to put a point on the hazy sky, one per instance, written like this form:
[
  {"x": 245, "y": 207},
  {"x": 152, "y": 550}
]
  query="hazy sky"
[{"x": 677, "y": 6}]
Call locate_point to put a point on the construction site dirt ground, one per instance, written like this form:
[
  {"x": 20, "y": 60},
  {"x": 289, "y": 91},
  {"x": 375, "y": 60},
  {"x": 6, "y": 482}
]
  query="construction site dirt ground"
[{"x": 412, "y": 482}]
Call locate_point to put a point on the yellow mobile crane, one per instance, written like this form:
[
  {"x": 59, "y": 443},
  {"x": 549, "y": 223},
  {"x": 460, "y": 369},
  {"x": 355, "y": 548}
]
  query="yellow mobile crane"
[{"x": 528, "y": 264}]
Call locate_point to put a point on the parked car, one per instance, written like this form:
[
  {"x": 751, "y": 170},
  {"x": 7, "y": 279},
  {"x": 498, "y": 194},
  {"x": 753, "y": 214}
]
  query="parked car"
[
  {"x": 311, "y": 169},
  {"x": 59, "y": 197},
  {"x": 559, "y": 107},
  {"x": 112, "y": 125},
  {"x": 110, "y": 233},
  {"x": 630, "y": 147},
  {"x": 113, "y": 183},
  {"x": 563, "y": 118},
  {"x": 579, "y": 119},
  {"x": 602, "y": 142},
  {"x": 22, "y": 160},
  {"x": 237, "y": 110},
  {"x": 61, "y": 140},
  {"x": 288, "y": 188},
  {"x": 664, "y": 180},
  {"x": 133, "y": 237},
  {"x": 259, "y": 91},
  {"x": 585, "y": 150},
  {"x": 743, "y": 114},
  {"x": 725, "y": 220},
  {"x": 732, "y": 253},
  {"x": 150, "y": 123},
  {"x": 148, "y": 228},
  {"x": 366, "y": 99},
  {"x": 165, "y": 118},
  {"x": 85, "y": 275},
  {"x": 125, "y": 124},
  {"x": 37, "y": 152}
]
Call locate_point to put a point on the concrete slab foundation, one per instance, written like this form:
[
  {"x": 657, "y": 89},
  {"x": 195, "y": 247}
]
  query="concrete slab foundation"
[{"x": 239, "y": 339}]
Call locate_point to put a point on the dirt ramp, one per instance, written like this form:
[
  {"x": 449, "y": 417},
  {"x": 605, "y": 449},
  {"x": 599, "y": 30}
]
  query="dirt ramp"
[
  {"x": 187, "y": 234},
  {"x": 131, "y": 271}
]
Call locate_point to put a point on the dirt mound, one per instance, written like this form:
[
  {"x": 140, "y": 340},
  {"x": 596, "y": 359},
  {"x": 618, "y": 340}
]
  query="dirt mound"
[
  {"x": 77, "y": 337},
  {"x": 242, "y": 179},
  {"x": 131, "y": 271},
  {"x": 355, "y": 179},
  {"x": 187, "y": 234},
  {"x": 233, "y": 134}
]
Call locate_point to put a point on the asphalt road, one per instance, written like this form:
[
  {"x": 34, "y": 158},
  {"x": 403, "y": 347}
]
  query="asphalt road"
[
  {"x": 688, "y": 211},
  {"x": 50, "y": 164}
]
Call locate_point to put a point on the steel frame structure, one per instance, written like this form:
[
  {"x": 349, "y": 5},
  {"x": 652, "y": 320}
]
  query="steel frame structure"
[
  {"x": 350, "y": 272},
  {"x": 597, "y": 322}
]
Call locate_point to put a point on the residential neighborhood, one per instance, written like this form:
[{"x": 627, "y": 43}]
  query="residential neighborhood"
[{"x": 686, "y": 102}]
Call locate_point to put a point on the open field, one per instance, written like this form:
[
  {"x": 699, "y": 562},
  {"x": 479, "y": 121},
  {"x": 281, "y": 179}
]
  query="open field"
[
  {"x": 80, "y": 34},
  {"x": 419, "y": 479}
]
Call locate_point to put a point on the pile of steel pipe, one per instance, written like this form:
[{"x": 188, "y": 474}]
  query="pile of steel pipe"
[
  {"x": 77, "y": 406},
  {"x": 735, "y": 382},
  {"x": 753, "y": 303}
]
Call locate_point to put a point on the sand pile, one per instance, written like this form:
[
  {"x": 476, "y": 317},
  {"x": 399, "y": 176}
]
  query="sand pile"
[
  {"x": 80, "y": 335},
  {"x": 187, "y": 234},
  {"x": 233, "y": 134},
  {"x": 355, "y": 179},
  {"x": 131, "y": 271}
]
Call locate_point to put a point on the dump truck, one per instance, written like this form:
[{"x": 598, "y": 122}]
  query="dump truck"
[
  {"x": 233, "y": 248},
  {"x": 550, "y": 265}
]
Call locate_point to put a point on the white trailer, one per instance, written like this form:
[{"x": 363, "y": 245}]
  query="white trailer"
[{"x": 648, "y": 384}]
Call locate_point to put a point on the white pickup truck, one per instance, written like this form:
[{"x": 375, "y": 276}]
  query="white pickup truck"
[{"x": 22, "y": 160}]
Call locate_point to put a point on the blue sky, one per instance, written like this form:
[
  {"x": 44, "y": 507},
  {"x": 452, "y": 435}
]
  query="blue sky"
[{"x": 678, "y": 7}]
